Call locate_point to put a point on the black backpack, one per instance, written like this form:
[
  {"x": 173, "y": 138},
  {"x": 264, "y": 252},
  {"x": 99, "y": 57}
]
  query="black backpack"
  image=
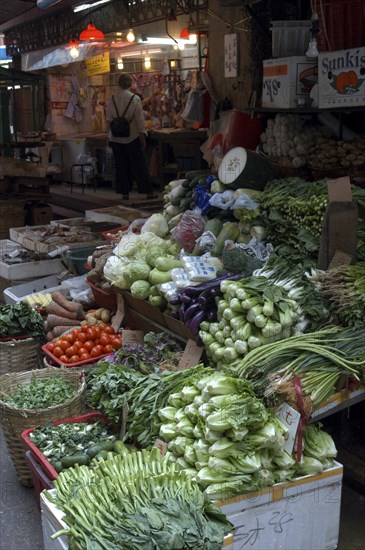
[{"x": 120, "y": 126}]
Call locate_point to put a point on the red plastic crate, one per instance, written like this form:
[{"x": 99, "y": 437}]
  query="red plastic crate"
[
  {"x": 45, "y": 466},
  {"x": 103, "y": 298},
  {"x": 40, "y": 479},
  {"x": 56, "y": 360},
  {"x": 344, "y": 23},
  {"x": 111, "y": 236}
]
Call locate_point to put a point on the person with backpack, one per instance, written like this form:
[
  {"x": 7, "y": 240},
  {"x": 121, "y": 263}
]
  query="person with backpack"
[{"x": 127, "y": 138}]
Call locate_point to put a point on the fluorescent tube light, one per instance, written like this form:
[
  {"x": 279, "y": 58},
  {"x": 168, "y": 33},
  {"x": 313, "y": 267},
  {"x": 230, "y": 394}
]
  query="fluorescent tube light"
[{"x": 83, "y": 7}]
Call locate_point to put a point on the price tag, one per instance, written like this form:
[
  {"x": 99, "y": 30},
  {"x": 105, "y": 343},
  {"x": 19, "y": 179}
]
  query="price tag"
[
  {"x": 132, "y": 337},
  {"x": 290, "y": 418},
  {"x": 162, "y": 446},
  {"x": 124, "y": 420},
  {"x": 192, "y": 354},
  {"x": 119, "y": 316}
]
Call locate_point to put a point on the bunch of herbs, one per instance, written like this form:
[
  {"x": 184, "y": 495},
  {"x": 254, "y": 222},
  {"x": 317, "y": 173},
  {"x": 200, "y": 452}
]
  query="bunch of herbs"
[
  {"x": 40, "y": 393},
  {"x": 21, "y": 320}
]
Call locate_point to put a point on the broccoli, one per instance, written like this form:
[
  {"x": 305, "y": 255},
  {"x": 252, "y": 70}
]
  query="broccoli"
[{"x": 236, "y": 260}]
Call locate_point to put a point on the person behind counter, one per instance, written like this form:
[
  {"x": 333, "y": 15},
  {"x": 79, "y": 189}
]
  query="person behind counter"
[{"x": 129, "y": 160}]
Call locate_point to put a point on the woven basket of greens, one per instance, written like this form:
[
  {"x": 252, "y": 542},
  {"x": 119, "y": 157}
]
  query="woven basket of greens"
[{"x": 34, "y": 398}]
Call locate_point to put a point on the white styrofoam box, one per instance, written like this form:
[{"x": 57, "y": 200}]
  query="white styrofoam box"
[
  {"x": 25, "y": 270},
  {"x": 51, "y": 523},
  {"x": 287, "y": 80},
  {"x": 118, "y": 214},
  {"x": 341, "y": 78},
  {"x": 304, "y": 513},
  {"x": 16, "y": 294}
]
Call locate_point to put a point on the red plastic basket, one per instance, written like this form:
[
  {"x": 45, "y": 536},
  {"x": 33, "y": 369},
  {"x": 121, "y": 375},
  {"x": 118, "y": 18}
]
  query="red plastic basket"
[
  {"x": 103, "y": 298},
  {"x": 40, "y": 479},
  {"x": 111, "y": 236},
  {"x": 56, "y": 360},
  {"x": 344, "y": 23},
  {"x": 44, "y": 464}
]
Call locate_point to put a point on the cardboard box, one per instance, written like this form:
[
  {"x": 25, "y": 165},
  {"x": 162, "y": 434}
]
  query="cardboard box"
[
  {"x": 287, "y": 80},
  {"x": 118, "y": 214},
  {"x": 28, "y": 239},
  {"x": 304, "y": 513},
  {"x": 341, "y": 79},
  {"x": 41, "y": 215}
]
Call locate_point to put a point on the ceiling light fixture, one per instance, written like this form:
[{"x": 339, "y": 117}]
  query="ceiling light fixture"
[
  {"x": 74, "y": 50},
  {"x": 147, "y": 63},
  {"x": 131, "y": 36},
  {"x": 83, "y": 7},
  {"x": 120, "y": 64},
  {"x": 92, "y": 33}
]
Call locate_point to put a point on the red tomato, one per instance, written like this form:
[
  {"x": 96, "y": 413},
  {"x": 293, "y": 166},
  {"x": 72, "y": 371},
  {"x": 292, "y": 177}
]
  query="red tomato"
[
  {"x": 108, "y": 349},
  {"x": 50, "y": 346},
  {"x": 64, "y": 344},
  {"x": 88, "y": 345},
  {"x": 96, "y": 351},
  {"x": 82, "y": 337},
  {"x": 116, "y": 342},
  {"x": 84, "y": 328},
  {"x": 102, "y": 327},
  {"x": 64, "y": 359},
  {"x": 78, "y": 344},
  {"x": 109, "y": 330},
  {"x": 105, "y": 340},
  {"x": 97, "y": 330},
  {"x": 75, "y": 358},
  {"x": 57, "y": 351},
  {"x": 72, "y": 350},
  {"x": 91, "y": 333},
  {"x": 57, "y": 342},
  {"x": 82, "y": 350},
  {"x": 84, "y": 356}
]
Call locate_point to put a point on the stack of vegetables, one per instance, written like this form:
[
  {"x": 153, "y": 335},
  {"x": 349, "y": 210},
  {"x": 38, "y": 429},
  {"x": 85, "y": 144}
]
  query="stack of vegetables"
[
  {"x": 293, "y": 210},
  {"x": 136, "y": 500},
  {"x": 40, "y": 393},
  {"x": 316, "y": 362},
  {"x": 223, "y": 436},
  {"x": 344, "y": 288},
  {"x": 251, "y": 314},
  {"x": 21, "y": 320}
]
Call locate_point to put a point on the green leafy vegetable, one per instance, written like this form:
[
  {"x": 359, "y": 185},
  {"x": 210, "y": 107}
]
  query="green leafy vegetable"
[
  {"x": 40, "y": 393},
  {"x": 21, "y": 320}
]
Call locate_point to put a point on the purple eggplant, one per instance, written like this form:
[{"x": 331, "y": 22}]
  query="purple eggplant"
[
  {"x": 182, "y": 311},
  {"x": 198, "y": 289},
  {"x": 174, "y": 314},
  {"x": 195, "y": 321},
  {"x": 184, "y": 298},
  {"x": 192, "y": 310},
  {"x": 175, "y": 301}
]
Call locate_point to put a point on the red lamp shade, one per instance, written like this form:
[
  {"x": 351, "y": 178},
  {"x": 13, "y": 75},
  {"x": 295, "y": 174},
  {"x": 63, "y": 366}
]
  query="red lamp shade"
[
  {"x": 92, "y": 33},
  {"x": 185, "y": 33}
]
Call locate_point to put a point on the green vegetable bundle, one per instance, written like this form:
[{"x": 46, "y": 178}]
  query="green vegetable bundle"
[
  {"x": 21, "y": 320},
  {"x": 223, "y": 436},
  {"x": 137, "y": 501},
  {"x": 70, "y": 440},
  {"x": 294, "y": 211},
  {"x": 318, "y": 359},
  {"x": 252, "y": 313},
  {"x": 40, "y": 393}
]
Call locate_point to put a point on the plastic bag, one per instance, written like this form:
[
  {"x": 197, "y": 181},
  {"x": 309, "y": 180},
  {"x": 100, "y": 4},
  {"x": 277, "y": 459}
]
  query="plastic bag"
[
  {"x": 202, "y": 197},
  {"x": 136, "y": 225},
  {"x": 206, "y": 241},
  {"x": 180, "y": 277},
  {"x": 189, "y": 228},
  {"x": 257, "y": 249},
  {"x": 224, "y": 201},
  {"x": 79, "y": 290},
  {"x": 244, "y": 201},
  {"x": 199, "y": 269}
]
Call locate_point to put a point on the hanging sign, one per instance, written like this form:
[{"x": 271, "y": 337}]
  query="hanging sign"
[
  {"x": 98, "y": 64},
  {"x": 230, "y": 55}
]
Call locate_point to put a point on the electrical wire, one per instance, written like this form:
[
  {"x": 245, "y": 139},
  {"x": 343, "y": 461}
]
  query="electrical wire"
[{"x": 231, "y": 25}]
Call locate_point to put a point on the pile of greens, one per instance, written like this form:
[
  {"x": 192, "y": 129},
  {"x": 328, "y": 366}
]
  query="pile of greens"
[
  {"x": 40, "y": 393},
  {"x": 21, "y": 320},
  {"x": 137, "y": 501},
  {"x": 230, "y": 443},
  {"x": 56, "y": 442}
]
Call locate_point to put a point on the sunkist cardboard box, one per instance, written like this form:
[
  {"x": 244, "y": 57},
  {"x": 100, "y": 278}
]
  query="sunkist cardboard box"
[
  {"x": 287, "y": 81},
  {"x": 341, "y": 78}
]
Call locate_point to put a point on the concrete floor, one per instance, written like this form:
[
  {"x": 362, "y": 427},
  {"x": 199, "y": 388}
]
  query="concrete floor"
[{"x": 20, "y": 523}]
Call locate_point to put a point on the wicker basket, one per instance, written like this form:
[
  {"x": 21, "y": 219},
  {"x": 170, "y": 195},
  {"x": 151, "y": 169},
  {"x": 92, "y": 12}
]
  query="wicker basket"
[
  {"x": 15, "y": 421},
  {"x": 328, "y": 173},
  {"x": 284, "y": 169},
  {"x": 19, "y": 355},
  {"x": 11, "y": 215}
]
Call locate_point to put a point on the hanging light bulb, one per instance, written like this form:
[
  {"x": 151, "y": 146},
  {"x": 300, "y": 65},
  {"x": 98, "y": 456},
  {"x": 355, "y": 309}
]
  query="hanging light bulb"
[
  {"x": 120, "y": 64},
  {"x": 312, "y": 49},
  {"x": 74, "y": 50},
  {"x": 91, "y": 33},
  {"x": 147, "y": 63},
  {"x": 193, "y": 38},
  {"x": 130, "y": 36}
]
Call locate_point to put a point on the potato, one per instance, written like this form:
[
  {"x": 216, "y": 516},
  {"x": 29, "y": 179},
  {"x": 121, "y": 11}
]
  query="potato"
[
  {"x": 105, "y": 316},
  {"x": 98, "y": 313}
]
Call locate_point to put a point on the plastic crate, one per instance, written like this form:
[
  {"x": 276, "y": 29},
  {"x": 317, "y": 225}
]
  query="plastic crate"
[
  {"x": 55, "y": 360},
  {"x": 112, "y": 236},
  {"x": 77, "y": 258},
  {"x": 103, "y": 298},
  {"x": 15, "y": 294},
  {"x": 40, "y": 479},
  {"x": 44, "y": 465},
  {"x": 290, "y": 38},
  {"x": 341, "y": 24}
]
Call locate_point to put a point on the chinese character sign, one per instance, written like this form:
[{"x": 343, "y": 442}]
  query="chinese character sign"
[{"x": 230, "y": 55}]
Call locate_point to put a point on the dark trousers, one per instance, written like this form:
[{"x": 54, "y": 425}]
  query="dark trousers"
[{"x": 130, "y": 165}]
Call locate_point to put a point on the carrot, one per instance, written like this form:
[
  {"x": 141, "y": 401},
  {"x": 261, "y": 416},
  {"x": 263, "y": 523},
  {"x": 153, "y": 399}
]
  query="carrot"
[
  {"x": 60, "y": 299},
  {"x": 61, "y": 311},
  {"x": 58, "y": 321}
]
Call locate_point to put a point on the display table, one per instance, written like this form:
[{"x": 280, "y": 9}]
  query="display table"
[{"x": 178, "y": 150}]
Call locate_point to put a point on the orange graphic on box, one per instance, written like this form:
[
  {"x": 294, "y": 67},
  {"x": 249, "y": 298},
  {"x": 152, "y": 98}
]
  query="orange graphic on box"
[
  {"x": 277, "y": 70},
  {"x": 347, "y": 83}
]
